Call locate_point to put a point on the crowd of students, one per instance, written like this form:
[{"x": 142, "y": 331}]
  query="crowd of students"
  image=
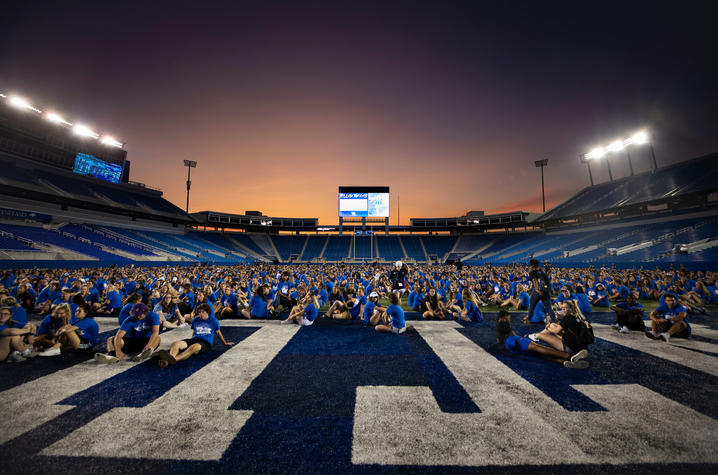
[{"x": 147, "y": 301}]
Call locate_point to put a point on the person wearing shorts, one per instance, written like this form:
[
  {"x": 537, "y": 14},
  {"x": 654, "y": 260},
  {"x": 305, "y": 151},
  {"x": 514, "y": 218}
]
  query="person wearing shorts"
[
  {"x": 520, "y": 345},
  {"x": 669, "y": 320},
  {"x": 204, "y": 328},
  {"x": 139, "y": 333},
  {"x": 394, "y": 321},
  {"x": 305, "y": 315}
]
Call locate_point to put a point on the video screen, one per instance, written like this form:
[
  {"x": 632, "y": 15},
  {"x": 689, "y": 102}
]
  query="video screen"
[
  {"x": 359, "y": 202},
  {"x": 94, "y": 167}
]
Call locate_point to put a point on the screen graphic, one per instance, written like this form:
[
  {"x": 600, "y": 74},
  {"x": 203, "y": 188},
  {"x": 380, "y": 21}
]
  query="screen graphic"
[{"x": 89, "y": 165}]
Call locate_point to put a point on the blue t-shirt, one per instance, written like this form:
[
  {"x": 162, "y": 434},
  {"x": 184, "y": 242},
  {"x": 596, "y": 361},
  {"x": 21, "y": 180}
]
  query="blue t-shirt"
[
  {"x": 19, "y": 316},
  {"x": 525, "y": 301},
  {"x": 397, "y": 316},
  {"x": 124, "y": 313},
  {"x": 473, "y": 312},
  {"x": 517, "y": 344},
  {"x": 205, "y": 329},
  {"x": 670, "y": 313},
  {"x": 355, "y": 311},
  {"x": 259, "y": 306},
  {"x": 583, "y": 303},
  {"x": 49, "y": 326},
  {"x": 310, "y": 312},
  {"x": 135, "y": 328},
  {"x": 87, "y": 329},
  {"x": 115, "y": 299},
  {"x": 368, "y": 311}
]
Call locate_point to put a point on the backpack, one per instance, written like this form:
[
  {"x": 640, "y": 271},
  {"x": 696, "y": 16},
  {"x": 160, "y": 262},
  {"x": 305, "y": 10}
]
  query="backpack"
[{"x": 579, "y": 332}]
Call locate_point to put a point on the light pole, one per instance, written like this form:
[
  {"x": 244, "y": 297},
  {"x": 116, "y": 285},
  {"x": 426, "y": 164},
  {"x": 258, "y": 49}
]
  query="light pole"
[
  {"x": 639, "y": 138},
  {"x": 542, "y": 163},
  {"x": 190, "y": 164}
]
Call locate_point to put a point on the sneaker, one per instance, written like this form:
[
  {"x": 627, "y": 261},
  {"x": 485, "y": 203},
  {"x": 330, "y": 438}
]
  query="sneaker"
[
  {"x": 624, "y": 330},
  {"x": 579, "y": 356},
  {"x": 580, "y": 364},
  {"x": 284, "y": 322},
  {"x": 144, "y": 356},
  {"x": 15, "y": 357},
  {"x": 533, "y": 337},
  {"x": 51, "y": 352},
  {"x": 105, "y": 358},
  {"x": 616, "y": 326},
  {"x": 29, "y": 353},
  {"x": 665, "y": 337},
  {"x": 652, "y": 335}
]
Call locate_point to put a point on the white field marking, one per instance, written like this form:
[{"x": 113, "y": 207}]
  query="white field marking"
[
  {"x": 32, "y": 404},
  {"x": 106, "y": 323},
  {"x": 704, "y": 331},
  {"x": 668, "y": 351},
  {"x": 520, "y": 424},
  {"x": 189, "y": 422}
]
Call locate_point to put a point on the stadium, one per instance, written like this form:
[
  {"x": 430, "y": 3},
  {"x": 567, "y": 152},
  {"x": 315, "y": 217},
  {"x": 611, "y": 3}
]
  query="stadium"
[{"x": 289, "y": 344}]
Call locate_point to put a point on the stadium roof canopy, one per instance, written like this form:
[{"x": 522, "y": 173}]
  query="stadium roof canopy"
[{"x": 681, "y": 186}]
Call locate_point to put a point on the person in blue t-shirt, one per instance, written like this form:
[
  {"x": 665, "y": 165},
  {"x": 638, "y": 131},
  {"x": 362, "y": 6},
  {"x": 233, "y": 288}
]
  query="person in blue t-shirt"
[
  {"x": 393, "y": 317},
  {"x": 125, "y": 311},
  {"x": 113, "y": 301},
  {"x": 584, "y": 304},
  {"x": 629, "y": 315},
  {"x": 372, "y": 311},
  {"x": 79, "y": 334},
  {"x": 471, "y": 312},
  {"x": 260, "y": 305},
  {"x": 204, "y": 328},
  {"x": 15, "y": 340},
  {"x": 509, "y": 341},
  {"x": 669, "y": 320},
  {"x": 601, "y": 298},
  {"x": 306, "y": 314},
  {"x": 140, "y": 332}
]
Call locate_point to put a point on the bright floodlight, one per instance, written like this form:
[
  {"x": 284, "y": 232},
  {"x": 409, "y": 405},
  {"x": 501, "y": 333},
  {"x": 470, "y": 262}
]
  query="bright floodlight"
[
  {"x": 21, "y": 103},
  {"x": 84, "y": 131},
  {"x": 615, "y": 146},
  {"x": 190, "y": 163},
  {"x": 107, "y": 140},
  {"x": 639, "y": 138},
  {"x": 597, "y": 152},
  {"x": 52, "y": 117}
]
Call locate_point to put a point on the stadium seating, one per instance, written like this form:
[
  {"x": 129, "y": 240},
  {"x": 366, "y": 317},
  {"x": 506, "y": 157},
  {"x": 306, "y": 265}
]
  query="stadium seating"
[
  {"x": 389, "y": 247},
  {"x": 694, "y": 176}
]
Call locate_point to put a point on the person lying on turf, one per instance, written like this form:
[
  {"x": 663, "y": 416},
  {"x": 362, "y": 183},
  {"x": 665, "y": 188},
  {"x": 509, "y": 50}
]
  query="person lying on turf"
[
  {"x": 204, "y": 328},
  {"x": 140, "y": 332},
  {"x": 516, "y": 344}
]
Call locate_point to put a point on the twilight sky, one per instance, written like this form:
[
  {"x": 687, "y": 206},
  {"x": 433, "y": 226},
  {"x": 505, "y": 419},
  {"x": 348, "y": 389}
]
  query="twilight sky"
[{"x": 449, "y": 103}]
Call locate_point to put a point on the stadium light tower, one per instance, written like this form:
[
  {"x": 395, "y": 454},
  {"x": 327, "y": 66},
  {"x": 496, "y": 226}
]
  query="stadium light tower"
[
  {"x": 190, "y": 164},
  {"x": 542, "y": 163},
  {"x": 639, "y": 138}
]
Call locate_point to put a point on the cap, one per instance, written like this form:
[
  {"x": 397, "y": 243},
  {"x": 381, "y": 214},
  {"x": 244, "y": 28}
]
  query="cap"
[
  {"x": 138, "y": 310},
  {"x": 398, "y": 263},
  {"x": 373, "y": 295}
]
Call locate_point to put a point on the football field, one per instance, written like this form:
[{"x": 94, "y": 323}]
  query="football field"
[{"x": 338, "y": 397}]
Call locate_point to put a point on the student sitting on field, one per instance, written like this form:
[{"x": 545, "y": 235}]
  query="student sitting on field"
[
  {"x": 669, "y": 320},
  {"x": 372, "y": 311},
  {"x": 539, "y": 315},
  {"x": 520, "y": 302},
  {"x": 572, "y": 334},
  {"x": 629, "y": 315},
  {"x": 139, "y": 333},
  {"x": 393, "y": 317},
  {"x": 516, "y": 344},
  {"x": 471, "y": 312},
  {"x": 204, "y": 327},
  {"x": 304, "y": 315},
  {"x": 259, "y": 305},
  {"x": 14, "y": 338},
  {"x": 431, "y": 307},
  {"x": 47, "y": 333},
  {"x": 80, "y": 334}
]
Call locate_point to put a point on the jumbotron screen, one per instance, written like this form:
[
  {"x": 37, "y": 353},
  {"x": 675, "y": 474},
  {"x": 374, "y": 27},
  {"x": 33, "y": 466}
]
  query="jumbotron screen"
[
  {"x": 93, "y": 166},
  {"x": 364, "y": 201}
]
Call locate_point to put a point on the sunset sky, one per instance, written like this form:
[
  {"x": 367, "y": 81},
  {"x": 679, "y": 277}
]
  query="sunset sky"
[{"x": 448, "y": 103}]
